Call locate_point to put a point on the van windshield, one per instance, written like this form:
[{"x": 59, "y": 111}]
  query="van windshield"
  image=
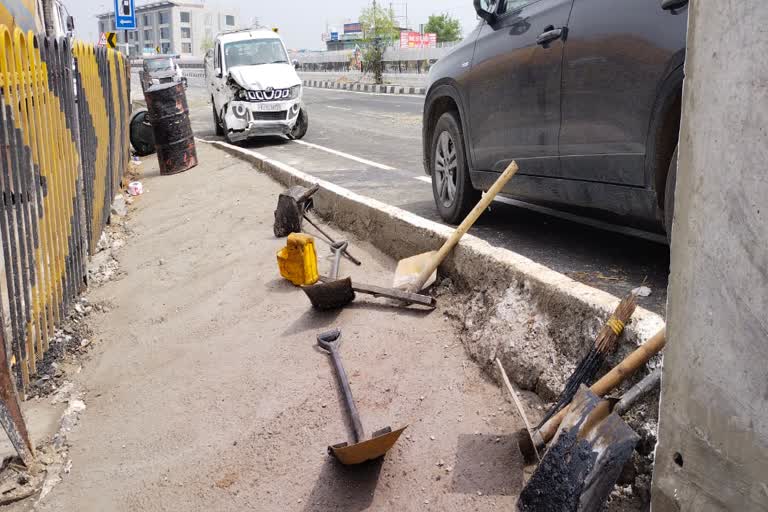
[
  {"x": 158, "y": 64},
  {"x": 253, "y": 52}
]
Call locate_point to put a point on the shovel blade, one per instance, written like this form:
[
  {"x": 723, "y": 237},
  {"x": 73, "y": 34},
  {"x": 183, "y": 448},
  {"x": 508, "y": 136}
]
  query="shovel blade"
[
  {"x": 409, "y": 269},
  {"x": 366, "y": 450},
  {"x": 330, "y": 295}
]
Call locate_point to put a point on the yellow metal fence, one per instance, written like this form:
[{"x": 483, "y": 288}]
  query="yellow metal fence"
[{"x": 64, "y": 112}]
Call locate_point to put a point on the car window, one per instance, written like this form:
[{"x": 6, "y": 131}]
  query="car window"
[
  {"x": 254, "y": 52},
  {"x": 217, "y": 57},
  {"x": 506, "y": 6}
]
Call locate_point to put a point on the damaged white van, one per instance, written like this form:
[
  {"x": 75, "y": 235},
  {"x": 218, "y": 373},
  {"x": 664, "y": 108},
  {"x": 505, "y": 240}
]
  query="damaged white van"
[{"x": 254, "y": 88}]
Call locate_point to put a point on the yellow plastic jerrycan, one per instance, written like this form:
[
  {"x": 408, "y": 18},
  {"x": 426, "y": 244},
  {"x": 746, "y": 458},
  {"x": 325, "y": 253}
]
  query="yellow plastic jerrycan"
[{"x": 298, "y": 260}]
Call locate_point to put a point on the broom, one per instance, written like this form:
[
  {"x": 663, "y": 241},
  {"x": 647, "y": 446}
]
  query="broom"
[{"x": 605, "y": 344}]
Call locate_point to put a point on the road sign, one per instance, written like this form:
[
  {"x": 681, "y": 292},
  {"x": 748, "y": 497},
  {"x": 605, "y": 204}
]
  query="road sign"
[
  {"x": 125, "y": 15},
  {"x": 334, "y": 36},
  {"x": 108, "y": 39}
]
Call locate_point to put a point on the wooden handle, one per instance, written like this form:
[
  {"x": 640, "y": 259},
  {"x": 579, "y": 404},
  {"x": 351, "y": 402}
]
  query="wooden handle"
[
  {"x": 467, "y": 223},
  {"x": 610, "y": 380}
]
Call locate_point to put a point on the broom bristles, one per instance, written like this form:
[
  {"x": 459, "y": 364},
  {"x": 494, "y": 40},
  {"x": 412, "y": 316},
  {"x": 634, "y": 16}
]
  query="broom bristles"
[{"x": 605, "y": 343}]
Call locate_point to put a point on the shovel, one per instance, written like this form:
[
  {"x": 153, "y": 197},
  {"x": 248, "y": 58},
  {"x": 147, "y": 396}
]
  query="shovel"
[
  {"x": 335, "y": 293},
  {"x": 362, "y": 449},
  {"x": 418, "y": 272}
]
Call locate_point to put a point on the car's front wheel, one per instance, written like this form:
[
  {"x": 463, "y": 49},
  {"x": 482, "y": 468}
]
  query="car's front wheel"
[
  {"x": 216, "y": 122},
  {"x": 302, "y": 124},
  {"x": 451, "y": 185}
]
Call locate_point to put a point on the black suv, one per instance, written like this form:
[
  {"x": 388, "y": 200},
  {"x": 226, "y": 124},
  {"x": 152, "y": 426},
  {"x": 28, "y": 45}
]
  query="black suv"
[{"x": 583, "y": 94}]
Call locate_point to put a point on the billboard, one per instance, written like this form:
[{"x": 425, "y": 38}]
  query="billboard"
[
  {"x": 350, "y": 28},
  {"x": 417, "y": 40}
]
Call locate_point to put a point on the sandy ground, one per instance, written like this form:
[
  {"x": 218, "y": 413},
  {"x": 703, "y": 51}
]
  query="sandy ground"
[{"x": 205, "y": 390}]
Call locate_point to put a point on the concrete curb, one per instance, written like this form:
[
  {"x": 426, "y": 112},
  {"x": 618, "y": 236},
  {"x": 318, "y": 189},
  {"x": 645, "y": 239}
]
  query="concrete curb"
[
  {"x": 537, "y": 321},
  {"x": 381, "y": 89}
]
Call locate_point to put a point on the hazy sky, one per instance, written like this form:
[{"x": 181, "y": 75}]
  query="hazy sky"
[{"x": 301, "y": 22}]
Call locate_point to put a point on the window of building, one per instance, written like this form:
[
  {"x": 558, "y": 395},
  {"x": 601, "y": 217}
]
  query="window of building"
[
  {"x": 186, "y": 33},
  {"x": 230, "y": 21},
  {"x": 165, "y": 48},
  {"x": 165, "y": 33},
  {"x": 148, "y": 35},
  {"x": 164, "y": 18},
  {"x": 184, "y": 17},
  {"x": 147, "y": 20},
  {"x": 186, "y": 47}
]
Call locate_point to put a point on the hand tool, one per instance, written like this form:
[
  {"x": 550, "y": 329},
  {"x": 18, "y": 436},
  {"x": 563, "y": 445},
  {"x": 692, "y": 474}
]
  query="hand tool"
[
  {"x": 640, "y": 356},
  {"x": 361, "y": 449},
  {"x": 331, "y": 240},
  {"x": 417, "y": 272},
  {"x": 605, "y": 344}
]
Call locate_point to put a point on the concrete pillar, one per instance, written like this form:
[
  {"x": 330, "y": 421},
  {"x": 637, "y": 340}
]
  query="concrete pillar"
[{"x": 713, "y": 427}]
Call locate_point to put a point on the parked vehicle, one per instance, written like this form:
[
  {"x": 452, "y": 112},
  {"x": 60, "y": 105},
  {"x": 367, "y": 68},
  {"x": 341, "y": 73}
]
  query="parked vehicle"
[
  {"x": 254, "y": 87},
  {"x": 584, "y": 94},
  {"x": 161, "y": 69}
]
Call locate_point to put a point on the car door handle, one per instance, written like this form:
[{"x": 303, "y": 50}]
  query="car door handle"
[
  {"x": 550, "y": 34},
  {"x": 671, "y": 5}
]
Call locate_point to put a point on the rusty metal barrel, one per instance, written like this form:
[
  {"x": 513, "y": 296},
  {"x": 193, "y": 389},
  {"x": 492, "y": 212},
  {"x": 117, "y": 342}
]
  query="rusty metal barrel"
[{"x": 168, "y": 114}]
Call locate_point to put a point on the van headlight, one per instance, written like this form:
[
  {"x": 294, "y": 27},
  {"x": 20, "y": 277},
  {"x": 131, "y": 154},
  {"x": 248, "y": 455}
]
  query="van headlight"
[{"x": 295, "y": 91}]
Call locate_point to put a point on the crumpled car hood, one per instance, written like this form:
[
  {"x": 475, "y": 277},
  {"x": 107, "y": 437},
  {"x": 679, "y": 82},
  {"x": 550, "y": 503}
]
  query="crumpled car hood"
[{"x": 255, "y": 78}]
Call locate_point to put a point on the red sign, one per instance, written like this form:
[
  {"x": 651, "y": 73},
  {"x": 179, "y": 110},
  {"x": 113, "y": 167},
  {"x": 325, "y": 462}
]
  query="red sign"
[{"x": 417, "y": 40}]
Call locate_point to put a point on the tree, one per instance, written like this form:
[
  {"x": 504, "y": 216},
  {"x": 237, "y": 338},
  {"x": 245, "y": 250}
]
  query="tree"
[
  {"x": 206, "y": 44},
  {"x": 445, "y": 26},
  {"x": 379, "y": 29}
]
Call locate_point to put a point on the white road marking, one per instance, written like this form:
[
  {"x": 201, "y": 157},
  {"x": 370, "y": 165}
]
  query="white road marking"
[
  {"x": 595, "y": 223},
  {"x": 337, "y": 108},
  {"x": 394, "y": 96},
  {"x": 346, "y": 155}
]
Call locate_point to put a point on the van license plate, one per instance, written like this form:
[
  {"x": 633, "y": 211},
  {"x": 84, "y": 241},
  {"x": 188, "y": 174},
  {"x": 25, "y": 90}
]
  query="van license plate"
[{"x": 269, "y": 107}]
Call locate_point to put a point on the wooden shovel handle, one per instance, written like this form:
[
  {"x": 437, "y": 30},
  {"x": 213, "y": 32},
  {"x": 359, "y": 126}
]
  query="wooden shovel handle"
[
  {"x": 467, "y": 223},
  {"x": 610, "y": 380}
]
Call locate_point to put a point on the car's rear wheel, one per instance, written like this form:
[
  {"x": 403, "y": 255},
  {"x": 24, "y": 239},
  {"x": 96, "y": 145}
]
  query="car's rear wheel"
[
  {"x": 669, "y": 195},
  {"x": 216, "y": 121},
  {"x": 451, "y": 186}
]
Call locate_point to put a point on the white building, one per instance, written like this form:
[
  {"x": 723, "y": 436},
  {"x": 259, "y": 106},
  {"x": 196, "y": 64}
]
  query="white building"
[{"x": 171, "y": 26}]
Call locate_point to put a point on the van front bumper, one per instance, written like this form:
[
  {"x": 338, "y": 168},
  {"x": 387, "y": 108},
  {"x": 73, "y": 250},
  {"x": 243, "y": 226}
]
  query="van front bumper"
[{"x": 246, "y": 119}]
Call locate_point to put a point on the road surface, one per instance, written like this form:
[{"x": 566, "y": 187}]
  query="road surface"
[{"x": 371, "y": 144}]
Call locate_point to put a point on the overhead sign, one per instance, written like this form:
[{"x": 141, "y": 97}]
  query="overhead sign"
[
  {"x": 417, "y": 40},
  {"x": 108, "y": 39},
  {"x": 125, "y": 15}
]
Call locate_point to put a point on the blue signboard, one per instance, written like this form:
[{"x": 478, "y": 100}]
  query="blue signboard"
[
  {"x": 125, "y": 15},
  {"x": 334, "y": 36}
]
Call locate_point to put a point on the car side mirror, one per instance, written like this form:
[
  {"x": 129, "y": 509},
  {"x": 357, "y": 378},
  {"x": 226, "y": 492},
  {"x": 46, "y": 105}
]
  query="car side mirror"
[
  {"x": 70, "y": 24},
  {"x": 295, "y": 64},
  {"x": 485, "y": 9},
  {"x": 217, "y": 72},
  {"x": 671, "y": 5}
]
